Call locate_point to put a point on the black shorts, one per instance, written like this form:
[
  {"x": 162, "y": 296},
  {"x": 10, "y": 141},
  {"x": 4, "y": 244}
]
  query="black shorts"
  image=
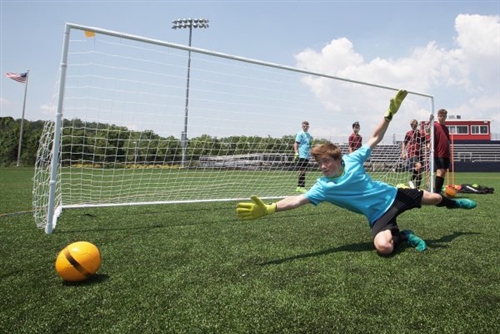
[
  {"x": 412, "y": 161},
  {"x": 406, "y": 199},
  {"x": 302, "y": 163},
  {"x": 441, "y": 163}
]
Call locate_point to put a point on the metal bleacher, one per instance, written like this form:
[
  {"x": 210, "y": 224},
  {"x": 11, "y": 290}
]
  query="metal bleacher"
[
  {"x": 388, "y": 156},
  {"x": 476, "y": 152},
  {"x": 384, "y": 157}
]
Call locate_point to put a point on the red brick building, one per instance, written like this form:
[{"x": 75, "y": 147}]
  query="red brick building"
[{"x": 468, "y": 131}]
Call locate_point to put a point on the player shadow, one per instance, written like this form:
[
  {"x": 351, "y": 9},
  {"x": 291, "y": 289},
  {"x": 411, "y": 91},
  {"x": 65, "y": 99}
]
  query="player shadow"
[
  {"x": 368, "y": 247},
  {"x": 359, "y": 247},
  {"x": 438, "y": 243},
  {"x": 431, "y": 243}
]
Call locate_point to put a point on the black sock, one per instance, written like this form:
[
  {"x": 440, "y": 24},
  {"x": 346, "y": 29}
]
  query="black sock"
[
  {"x": 398, "y": 237},
  {"x": 302, "y": 180},
  {"x": 439, "y": 184},
  {"x": 449, "y": 203},
  {"x": 419, "y": 181}
]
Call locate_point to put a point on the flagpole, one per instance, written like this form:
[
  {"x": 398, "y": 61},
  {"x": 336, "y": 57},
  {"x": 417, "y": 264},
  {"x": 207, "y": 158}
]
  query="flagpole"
[{"x": 22, "y": 120}]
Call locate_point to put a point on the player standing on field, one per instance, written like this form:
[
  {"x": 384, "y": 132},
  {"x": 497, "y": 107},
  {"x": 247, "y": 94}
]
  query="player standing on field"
[
  {"x": 442, "y": 152},
  {"x": 355, "y": 140},
  {"x": 302, "y": 148},
  {"x": 411, "y": 149}
]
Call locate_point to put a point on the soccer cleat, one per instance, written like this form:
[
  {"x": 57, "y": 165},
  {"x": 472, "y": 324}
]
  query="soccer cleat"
[
  {"x": 465, "y": 203},
  {"x": 415, "y": 241},
  {"x": 301, "y": 190},
  {"x": 410, "y": 183}
]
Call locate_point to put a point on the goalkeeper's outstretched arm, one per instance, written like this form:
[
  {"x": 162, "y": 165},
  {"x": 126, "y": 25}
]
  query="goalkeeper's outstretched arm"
[{"x": 257, "y": 208}]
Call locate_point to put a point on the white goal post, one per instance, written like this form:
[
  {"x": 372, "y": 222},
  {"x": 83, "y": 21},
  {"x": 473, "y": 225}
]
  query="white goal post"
[{"x": 140, "y": 121}]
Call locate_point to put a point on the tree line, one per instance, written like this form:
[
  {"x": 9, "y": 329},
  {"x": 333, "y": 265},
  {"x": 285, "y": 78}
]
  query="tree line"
[
  {"x": 84, "y": 142},
  {"x": 9, "y": 141}
]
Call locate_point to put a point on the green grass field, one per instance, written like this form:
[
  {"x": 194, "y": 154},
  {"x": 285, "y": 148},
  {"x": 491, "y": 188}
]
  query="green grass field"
[{"x": 194, "y": 268}]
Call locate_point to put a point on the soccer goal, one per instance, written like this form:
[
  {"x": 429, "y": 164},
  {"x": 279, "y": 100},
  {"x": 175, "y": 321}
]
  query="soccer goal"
[{"x": 140, "y": 121}]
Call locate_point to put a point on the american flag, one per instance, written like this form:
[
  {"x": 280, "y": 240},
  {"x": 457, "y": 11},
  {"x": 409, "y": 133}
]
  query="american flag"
[{"x": 18, "y": 77}]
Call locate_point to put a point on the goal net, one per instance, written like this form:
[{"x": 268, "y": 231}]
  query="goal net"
[{"x": 141, "y": 121}]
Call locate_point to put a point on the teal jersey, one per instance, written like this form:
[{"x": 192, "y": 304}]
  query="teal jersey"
[
  {"x": 305, "y": 140},
  {"x": 355, "y": 190}
]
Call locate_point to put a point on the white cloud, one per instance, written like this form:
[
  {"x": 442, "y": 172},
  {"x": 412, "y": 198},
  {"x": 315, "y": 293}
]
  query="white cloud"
[
  {"x": 48, "y": 109},
  {"x": 478, "y": 35},
  {"x": 478, "y": 38},
  {"x": 336, "y": 56},
  {"x": 465, "y": 79}
]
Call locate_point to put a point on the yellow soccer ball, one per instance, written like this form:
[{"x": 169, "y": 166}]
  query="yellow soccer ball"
[{"x": 78, "y": 261}]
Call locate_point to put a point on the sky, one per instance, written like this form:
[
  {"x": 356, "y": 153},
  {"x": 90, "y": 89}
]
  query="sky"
[{"x": 447, "y": 49}]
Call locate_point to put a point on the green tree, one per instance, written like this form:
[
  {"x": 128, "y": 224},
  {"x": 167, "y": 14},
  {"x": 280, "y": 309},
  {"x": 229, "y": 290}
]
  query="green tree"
[{"x": 9, "y": 136}]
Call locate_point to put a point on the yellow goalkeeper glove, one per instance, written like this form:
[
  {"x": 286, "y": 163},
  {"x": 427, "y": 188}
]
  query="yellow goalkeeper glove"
[
  {"x": 296, "y": 157},
  {"x": 257, "y": 209},
  {"x": 395, "y": 104}
]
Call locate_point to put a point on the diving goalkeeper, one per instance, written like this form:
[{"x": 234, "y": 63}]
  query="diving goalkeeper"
[{"x": 346, "y": 184}]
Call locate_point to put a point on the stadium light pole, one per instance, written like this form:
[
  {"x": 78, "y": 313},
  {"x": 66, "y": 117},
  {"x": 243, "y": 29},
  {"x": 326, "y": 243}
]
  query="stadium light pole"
[{"x": 188, "y": 24}]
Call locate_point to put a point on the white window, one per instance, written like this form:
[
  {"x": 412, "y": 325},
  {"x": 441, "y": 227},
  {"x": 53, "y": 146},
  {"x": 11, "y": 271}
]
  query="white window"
[
  {"x": 479, "y": 129},
  {"x": 458, "y": 129}
]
